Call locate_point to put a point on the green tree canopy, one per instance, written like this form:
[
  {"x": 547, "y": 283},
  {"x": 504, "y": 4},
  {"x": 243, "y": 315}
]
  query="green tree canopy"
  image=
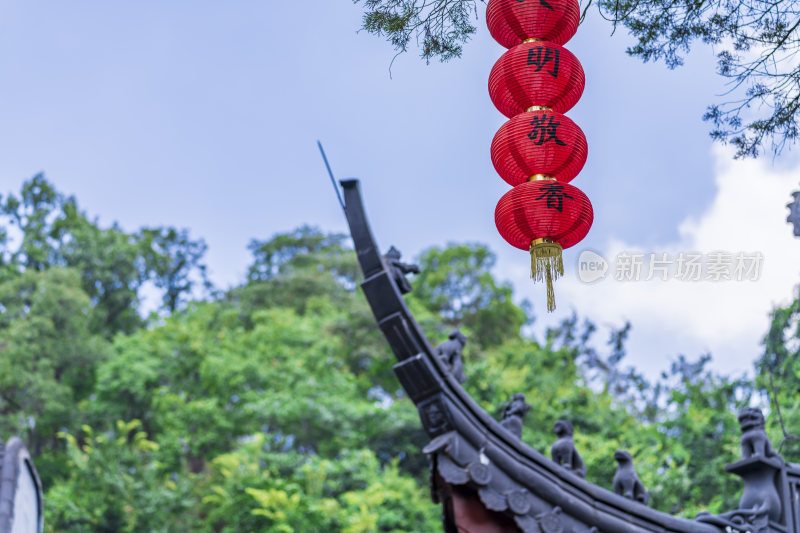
[
  {"x": 458, "y": 289},
  {"x": 273, "y": 406},
  {"x": 113, "y": 264}
]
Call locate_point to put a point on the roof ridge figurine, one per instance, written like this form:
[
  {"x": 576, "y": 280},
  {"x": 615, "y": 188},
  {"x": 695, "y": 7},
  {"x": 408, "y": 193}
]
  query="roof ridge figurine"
[
  {"x": 626, "y": 481},
  {"x": 563, "y": 451}
]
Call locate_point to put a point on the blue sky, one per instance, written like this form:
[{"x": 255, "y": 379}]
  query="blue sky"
[{"x": 204, "y": 114}]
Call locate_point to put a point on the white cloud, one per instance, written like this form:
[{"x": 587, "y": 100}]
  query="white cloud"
[{"x": 726, "y": 318}]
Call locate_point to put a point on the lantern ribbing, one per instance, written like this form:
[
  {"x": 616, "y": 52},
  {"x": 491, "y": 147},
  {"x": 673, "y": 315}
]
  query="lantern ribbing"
[
  {"x": 541, "y": 73},
  {"x": 539, "y": 150},
  {"x": 513, "y": 23},
  {"x": 538, "y": 142}
]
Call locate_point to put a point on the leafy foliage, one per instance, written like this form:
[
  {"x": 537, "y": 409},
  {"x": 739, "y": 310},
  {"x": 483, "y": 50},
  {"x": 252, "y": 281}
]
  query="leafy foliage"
[
  {"x": 440, "y": 27},
  {"x": 779, "y": 368},
  {"x": 115, "y": 485},
  {"x": 457, "y": 287},
  {"x": 757, "y": 46},
  {"x": 48, "y": 356},
  {"x": 174, "y": 263},
  {"x": 273, "y": 406},
  {"x": 113, "y": 265}
]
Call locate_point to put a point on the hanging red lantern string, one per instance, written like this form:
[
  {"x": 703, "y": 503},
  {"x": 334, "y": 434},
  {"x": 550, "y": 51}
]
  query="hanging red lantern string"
[
  {"x": 538, "y": 73},
  {"x": 544, "y": 217},
  {"x": 538, "y": 142},
  {"x": 539, "y": 150},
  {"x": 510, "y": 23}
]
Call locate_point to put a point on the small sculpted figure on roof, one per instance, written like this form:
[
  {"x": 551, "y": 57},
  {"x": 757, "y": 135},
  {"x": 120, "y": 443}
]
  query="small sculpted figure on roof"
[
  {"x": 626, "y": 482},
  {"x": 760, "y": 466},
  {"x": 449, "y": 352},
  {"x": 563, "y": 451},
  {"x": 400, "y": 269},
  {"x": 513, "y": 413},
  {"x": 754, "y": 438}
]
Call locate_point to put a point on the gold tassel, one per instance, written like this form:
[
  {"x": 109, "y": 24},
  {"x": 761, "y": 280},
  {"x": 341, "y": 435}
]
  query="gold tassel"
[{"x": 547, "y": 265}]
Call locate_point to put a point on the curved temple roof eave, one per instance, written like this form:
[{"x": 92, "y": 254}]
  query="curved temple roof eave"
[{"x": 575, "y": 496}]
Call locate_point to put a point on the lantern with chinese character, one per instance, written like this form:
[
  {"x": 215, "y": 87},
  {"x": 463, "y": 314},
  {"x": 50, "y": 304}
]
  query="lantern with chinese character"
[
  {"x": 544, "y": 217},
  {"x": 544, "y": 143},
  {"x": 536, "y": 74},
  {"x": 539, "y": 150}
]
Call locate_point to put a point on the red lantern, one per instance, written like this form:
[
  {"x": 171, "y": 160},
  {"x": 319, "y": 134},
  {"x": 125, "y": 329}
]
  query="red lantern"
[
  {"x": 510, "y": 23},
  {"x": 544, "y": 209},
  {"x": 541, "y": 74},
  {"x": 544, "y": 217},
  {"x": 538, "y": 142},
  {"x": 539, "y": 150}
]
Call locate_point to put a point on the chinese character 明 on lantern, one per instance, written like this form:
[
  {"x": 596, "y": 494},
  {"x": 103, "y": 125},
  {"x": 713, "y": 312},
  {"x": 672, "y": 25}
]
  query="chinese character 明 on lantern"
[{"x": 539, "y": 150}]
